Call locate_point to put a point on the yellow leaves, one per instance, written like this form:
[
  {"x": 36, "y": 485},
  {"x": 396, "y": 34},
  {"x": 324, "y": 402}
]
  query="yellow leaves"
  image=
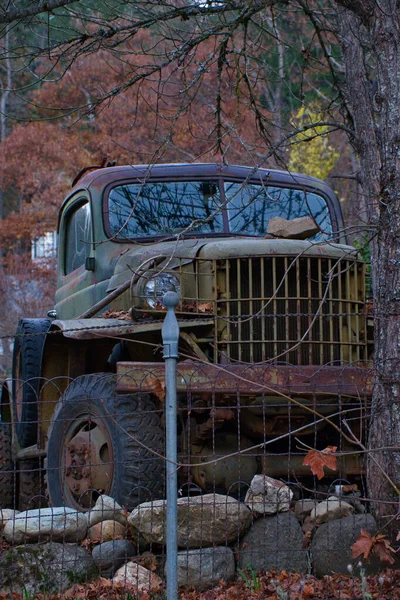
[{"x": 311, "y": 152}]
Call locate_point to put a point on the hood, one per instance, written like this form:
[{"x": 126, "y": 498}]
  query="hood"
[
  {"x": 184, "y": 251},
  {"x": 175, "y": 253},
  {"x": 252, "y": 246}
]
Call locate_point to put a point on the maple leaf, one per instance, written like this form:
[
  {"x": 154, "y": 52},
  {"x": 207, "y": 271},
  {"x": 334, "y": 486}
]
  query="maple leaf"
[
  {"x": 318, "y": 459},
  {"x": 362, "y": 545},
  {"x": 366, "y": 544},
  {"x": 382, "y": 549}
]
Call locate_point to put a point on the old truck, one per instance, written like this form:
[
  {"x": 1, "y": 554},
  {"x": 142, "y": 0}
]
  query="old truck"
[{"x": 274, "y": 336}]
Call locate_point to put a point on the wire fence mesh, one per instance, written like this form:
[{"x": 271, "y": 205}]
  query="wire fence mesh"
[{"x": 272, "y": 499}]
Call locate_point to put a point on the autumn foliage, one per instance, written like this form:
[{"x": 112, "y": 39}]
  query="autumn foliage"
[
  {"x": 318, "y": 459},
  {"x": 367, "y": 545}
]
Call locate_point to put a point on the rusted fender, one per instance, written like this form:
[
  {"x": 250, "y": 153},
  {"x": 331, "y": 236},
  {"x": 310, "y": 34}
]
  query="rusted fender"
[{"x": 89, "y": 329}]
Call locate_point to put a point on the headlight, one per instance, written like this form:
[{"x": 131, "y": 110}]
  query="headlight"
[{"x": 156, "y": 287}]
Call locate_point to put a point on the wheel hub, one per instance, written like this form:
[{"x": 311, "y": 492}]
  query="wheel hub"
[{"x": 88, "y": 460}]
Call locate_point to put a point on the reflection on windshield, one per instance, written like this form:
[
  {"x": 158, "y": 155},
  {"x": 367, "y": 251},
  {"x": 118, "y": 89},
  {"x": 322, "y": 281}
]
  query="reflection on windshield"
[
  {"x": 250, "y": 207},
  {"x": 169, "y": 208},
  {"x": 165, "y": 209}
]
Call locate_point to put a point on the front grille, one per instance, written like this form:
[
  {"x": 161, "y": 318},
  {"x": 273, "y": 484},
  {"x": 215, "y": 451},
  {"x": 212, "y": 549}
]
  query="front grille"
[{"x": 303, "y": 311}]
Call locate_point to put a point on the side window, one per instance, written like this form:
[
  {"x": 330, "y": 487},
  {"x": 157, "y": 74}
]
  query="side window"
[{"x": 78, "y": 237}]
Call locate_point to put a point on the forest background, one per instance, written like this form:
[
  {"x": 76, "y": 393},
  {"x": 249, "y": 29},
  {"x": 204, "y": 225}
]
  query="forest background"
[{"x": 305, "y": 85}]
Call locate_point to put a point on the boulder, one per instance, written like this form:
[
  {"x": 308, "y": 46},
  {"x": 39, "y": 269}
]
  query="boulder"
[
  {"x": 60, "y": 524},
  {"x": 274, "y": 542},
  {"x": 106, "y": 509},
  {"x": 111, "y": 555},
  {"x": 7, "y": 514},
  {"x": 48, "y": 567},
  {"x": 331, "y": 545},
  {"x": 295, "y": 229},
  {"x": 136, "y": 577},
  {"x": 268, "y": 496},
  {"x": 205, "y": 567},
  {"x": 106, "y": 530},
  {"x": 212, "y": 519},
  {"x": 303, "y": 508},
  {"x": 331, "y": 509}
]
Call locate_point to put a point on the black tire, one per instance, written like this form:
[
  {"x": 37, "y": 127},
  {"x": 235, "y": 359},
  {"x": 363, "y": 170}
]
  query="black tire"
[
  {"x": 6, "y": 467},
  {"x": 85, "y": 433},
  {"x": 31, "y": 490},
  {"x": 26, "y": 372}
]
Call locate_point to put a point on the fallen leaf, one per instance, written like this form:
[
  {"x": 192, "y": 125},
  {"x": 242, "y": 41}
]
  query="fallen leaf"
[
  {"x": 205, "y": 307},
  {"x": 308, "y": 590},
  {"x": 318, "y": 459},
  {"x": 348, "y": 489},
  {"x": 158, "y": 388},
  {"x": 362, "y": 545},
  {"x": 306, "y": 541},
  {"x": 383, "y": 550},
  {"x": 366, "y": 544}
]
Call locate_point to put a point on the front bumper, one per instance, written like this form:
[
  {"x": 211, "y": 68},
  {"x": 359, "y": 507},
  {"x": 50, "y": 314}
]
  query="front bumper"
[{"x": 249, "y": 380}]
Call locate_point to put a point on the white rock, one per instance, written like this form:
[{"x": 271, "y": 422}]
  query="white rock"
[
  {"x": 60, "y": 524},
  {"x": 106, "y": 509},
  {"x": 7, "y": 514},
  {"x": 136, "y": 576},
  {"x": 212, "y": 519},
  {"x": 268, "y": 496},
  {"x": 331, "y": 509}
]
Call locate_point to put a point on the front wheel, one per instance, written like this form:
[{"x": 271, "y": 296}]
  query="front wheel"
[
  {"x": 101, "y": 442},
  {"x": 26, "y": 372},
  {"x": 6, "y": 467}
]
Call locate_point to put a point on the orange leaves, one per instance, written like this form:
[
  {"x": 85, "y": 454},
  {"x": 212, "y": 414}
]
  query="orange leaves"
[
  {"x": 318, "y": 459},
  {"x": 205, "y": 307},
  {"x": 158, "y": 388},
  {"x": 365, "y": 545}
]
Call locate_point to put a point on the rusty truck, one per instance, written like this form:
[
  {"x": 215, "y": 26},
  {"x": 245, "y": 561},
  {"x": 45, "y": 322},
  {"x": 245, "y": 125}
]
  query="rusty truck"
[{"x": 275, "y": 336}]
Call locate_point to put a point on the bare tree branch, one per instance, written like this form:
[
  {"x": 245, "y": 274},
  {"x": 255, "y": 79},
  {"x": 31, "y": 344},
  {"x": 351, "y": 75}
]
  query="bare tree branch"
[{"x": 8, "y": 15}]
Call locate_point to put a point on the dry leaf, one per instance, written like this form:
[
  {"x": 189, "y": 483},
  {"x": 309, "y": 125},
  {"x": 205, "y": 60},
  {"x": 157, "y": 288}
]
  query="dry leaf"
[
  {"x": 362, "y": 545},
  {"x": 318, "y": 459},
  {"x": 379, "y": 545},
  {"x": 348, "y": 489},
  {"x": 205, "y": 307},
  {"x": 158, "y": 388},
  {"x": 308, "y": 590},
  {"x": 383, "y": 550}
]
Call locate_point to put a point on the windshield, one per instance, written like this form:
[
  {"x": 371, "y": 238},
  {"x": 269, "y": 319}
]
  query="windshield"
[
  {"x": 250, "y": 207},
  {"x": 196, "y": 207},
  {"x": 165, "y": 209}
]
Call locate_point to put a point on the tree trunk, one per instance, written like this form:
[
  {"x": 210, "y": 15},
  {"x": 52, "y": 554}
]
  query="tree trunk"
[{"x": 370, "y": 34}]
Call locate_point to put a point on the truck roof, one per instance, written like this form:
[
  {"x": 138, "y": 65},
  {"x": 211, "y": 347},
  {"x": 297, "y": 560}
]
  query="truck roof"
[{"x": 105, "y": 176}]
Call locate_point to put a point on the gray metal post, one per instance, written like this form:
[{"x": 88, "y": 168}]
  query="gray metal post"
[{"x": 170, "y": 336}]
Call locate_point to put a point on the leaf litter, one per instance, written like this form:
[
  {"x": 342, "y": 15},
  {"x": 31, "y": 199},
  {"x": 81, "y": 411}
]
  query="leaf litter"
[{"x": 270, "y": 585}]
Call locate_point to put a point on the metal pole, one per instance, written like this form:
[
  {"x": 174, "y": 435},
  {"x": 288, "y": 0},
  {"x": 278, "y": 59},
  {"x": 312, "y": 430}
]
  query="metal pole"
[{"x": 170, "y": 336}]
